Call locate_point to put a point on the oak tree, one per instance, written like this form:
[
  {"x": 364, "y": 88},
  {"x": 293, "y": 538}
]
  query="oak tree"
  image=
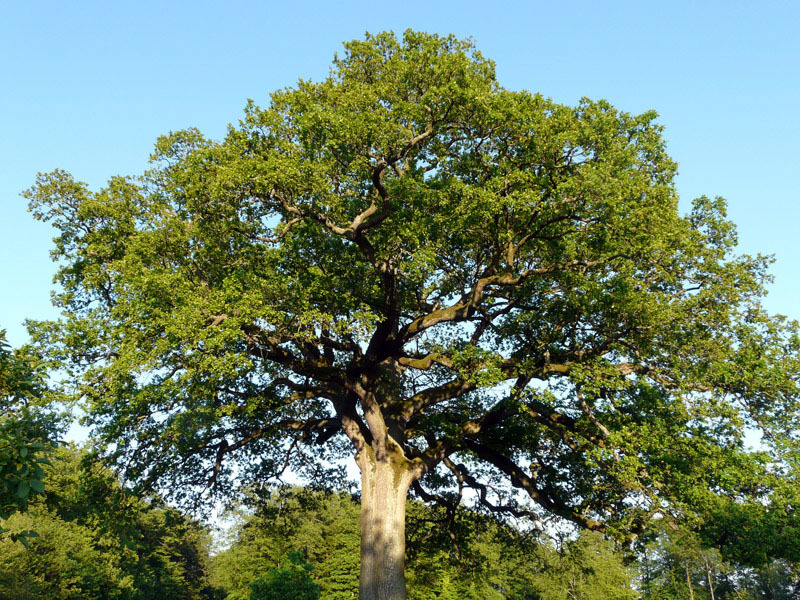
[{"x": 460, "y": 284}]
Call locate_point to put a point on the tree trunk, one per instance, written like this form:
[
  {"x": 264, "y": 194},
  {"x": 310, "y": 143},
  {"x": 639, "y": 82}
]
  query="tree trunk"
[
  {"x": 708, "y": 576},
  {"x": 384, "y": 487}
]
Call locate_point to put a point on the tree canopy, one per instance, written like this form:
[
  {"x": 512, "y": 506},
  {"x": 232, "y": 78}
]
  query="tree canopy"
[
  {"x": 467, "y": 287},
  {"x": 291, "y": 582}
]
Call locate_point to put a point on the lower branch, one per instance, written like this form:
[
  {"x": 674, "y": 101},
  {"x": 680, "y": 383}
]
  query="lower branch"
[{"x": 522, "y": 480}]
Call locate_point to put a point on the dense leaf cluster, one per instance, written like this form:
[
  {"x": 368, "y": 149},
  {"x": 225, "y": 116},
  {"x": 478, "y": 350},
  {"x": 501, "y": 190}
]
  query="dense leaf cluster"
[{"x": 290, "y": 582}]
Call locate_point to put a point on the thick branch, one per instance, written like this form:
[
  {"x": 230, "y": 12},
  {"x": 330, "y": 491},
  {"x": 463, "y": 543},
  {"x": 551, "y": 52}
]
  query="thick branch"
[
  {"x": 522, "y": 480},
  {"x": 464, "y": 309},
  {"x": 352, "y": 425}
]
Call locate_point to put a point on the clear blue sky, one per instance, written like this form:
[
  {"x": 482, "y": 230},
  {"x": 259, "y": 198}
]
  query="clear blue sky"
[{"x": 88, "y": 86}]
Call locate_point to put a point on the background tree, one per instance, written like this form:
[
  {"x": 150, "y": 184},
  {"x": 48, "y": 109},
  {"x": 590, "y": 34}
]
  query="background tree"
[
  {"x": 588, "y": 567},
  {"x": 679, "y": 567},
  {"x": 463, "y": 286},
  {"x": 321, "y": 526},
  {"x": 27, "y": 429},
  {"x": 469, "y": 554},
  {"x": 488, "y": 561},
  {"x": 290, "y": 582},
  {"x": 97, "y": 541},
  {"x": 675, "y": 564}
]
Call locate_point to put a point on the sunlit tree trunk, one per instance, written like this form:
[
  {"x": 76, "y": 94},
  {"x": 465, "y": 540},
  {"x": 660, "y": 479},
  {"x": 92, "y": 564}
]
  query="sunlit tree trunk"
[
  {"x": 708, "y": 576},
  {"x": 384, "y": 486},
  {"x": 689, "y": 582}
]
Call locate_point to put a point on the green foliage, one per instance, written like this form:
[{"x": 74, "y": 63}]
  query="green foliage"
[
  {"x": 406, "y": 259},
  {"x": 292, "y": 582},
  {"x": 675, "y": 564},
  {"x": 27, "y": 429},
  {"x": 323, "y": 526},
  {"x": 489, "y": 561},
  {"x": 474, "y": 557},
  {"x": 747, "y": 534},
  {"x": 97, "y": 541},
  {"x": 589, "y": 568},
  {"x": 63, "y": 562}
]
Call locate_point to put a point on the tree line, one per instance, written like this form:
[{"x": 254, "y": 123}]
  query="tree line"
[{"x": 95, "y": 540}]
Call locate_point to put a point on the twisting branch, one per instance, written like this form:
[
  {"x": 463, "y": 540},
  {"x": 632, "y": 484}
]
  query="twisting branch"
[
  {"x": 464, "y": 478},
  {"x": 325, "y": 427},
  {"x": 589, "y": 412},
  {"x": 522, "y": 480},
  {"x": 266, "y": 346},
  {"x": 465, "y": 307}
]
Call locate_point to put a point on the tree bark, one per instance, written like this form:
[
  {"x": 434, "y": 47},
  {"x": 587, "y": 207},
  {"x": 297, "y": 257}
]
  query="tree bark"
[{"x": 384, "y": 487}]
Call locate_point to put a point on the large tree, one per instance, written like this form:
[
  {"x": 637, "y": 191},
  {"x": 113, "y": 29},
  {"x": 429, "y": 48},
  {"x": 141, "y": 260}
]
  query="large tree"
[{"x": 461, "y": 284}]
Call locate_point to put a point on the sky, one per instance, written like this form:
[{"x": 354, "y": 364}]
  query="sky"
[{"x": 89, "y": 86}]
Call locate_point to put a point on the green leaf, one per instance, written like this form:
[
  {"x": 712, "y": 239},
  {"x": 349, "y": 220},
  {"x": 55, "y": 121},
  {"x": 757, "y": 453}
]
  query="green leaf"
[{"x": 23, "y": 489}]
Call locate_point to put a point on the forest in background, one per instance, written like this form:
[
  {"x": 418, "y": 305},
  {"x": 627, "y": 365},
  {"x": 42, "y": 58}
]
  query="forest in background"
[{"x": 94, "y": 540}]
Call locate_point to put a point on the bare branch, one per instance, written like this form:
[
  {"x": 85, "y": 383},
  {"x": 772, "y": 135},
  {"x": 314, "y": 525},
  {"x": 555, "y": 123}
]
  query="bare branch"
[{"x": 464, "y": 478}]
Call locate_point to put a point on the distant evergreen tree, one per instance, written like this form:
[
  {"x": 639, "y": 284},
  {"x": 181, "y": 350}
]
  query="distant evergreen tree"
[
  {"x": 321, "y": 525},
  {"x": 677, "y": 565},
  {"x": 586, "y": 568}
]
